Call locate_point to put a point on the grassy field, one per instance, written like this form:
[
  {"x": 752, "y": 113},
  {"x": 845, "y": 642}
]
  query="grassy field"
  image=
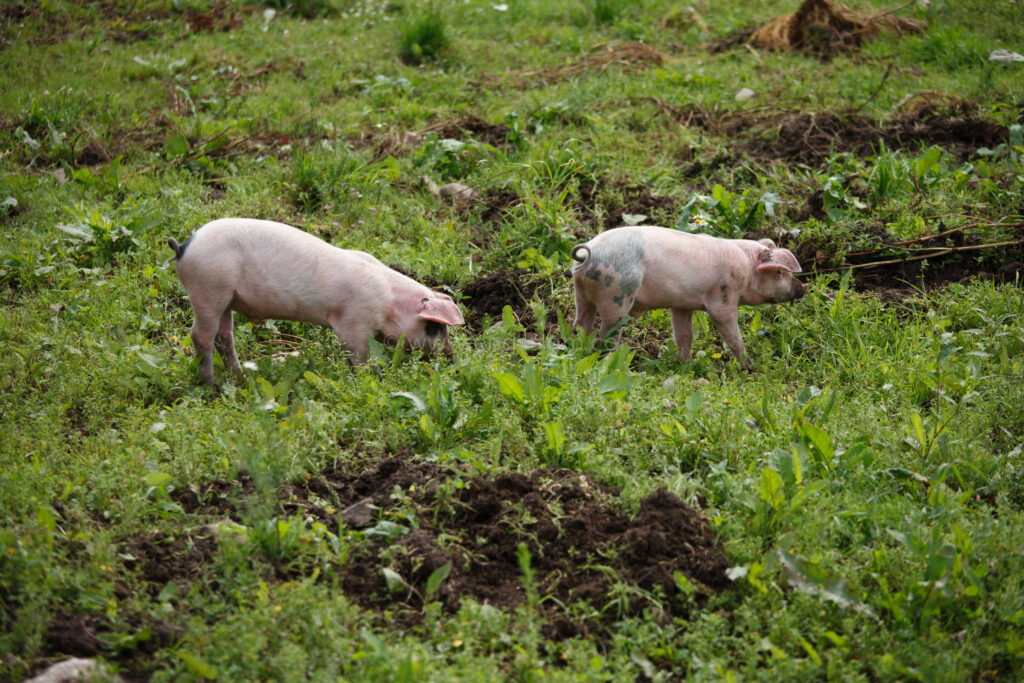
[{"x": 540, "y": 506}]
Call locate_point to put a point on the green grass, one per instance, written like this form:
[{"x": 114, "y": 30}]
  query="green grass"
[{"x": 867, "y": 481}]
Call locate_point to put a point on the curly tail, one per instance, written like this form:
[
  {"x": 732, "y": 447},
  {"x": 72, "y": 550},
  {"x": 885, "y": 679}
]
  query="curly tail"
[
  {"x": 179, "y": 249},
  {"x": 578, "y": 248}
]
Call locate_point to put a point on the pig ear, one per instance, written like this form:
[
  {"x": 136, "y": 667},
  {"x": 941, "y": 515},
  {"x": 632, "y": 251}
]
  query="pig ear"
[
  {"x": 440, "y": 310},
  {"x": 780, "y": 259},
  {"x": 767, "y": 242}
]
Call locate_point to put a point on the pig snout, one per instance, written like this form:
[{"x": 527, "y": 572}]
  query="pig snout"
[
  {"x": 796, "y": 289},
  {"x": 436, "y": 340}
]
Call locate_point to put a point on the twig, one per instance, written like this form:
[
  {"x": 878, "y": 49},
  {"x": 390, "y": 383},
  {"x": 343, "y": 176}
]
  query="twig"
[
  {"x": 926, "y": 238},
  {"x": 754, "y": 52},
  {"x": 894, "y": 10},
  {"x": 932, "y": 254},
  {"x": 875, "y": 92}
]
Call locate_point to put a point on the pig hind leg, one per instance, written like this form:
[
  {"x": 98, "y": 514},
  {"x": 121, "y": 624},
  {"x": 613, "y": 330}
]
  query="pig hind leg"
[
  {"x": 226, "y": 342},
  {"x": 611, "y": 314},
  {"x": 204, "y": 334},
  {"x": 682, "y": 332},
  {"x": 210, "y": 312},
  {"x": 585, "y": 311}
]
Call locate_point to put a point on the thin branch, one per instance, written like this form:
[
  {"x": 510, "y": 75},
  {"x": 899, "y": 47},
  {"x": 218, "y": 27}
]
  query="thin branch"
[{"x": 936, "y": 252}]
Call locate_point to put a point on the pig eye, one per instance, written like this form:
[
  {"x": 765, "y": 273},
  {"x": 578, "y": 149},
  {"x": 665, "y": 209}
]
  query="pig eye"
[{"x": 433, "y": 328}]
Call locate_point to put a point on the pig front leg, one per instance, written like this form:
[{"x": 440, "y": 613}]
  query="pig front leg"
[
  {"x": 353, "y": 336},
  {"x": 682, "y": 332},
  {"x": 726, "y": 320}
]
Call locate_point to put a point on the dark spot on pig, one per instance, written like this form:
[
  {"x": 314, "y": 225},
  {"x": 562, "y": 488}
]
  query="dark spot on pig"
[
  {"x": 725, "y": 294},
  {"x": 592, "y": 273},
  {"x": 619, "y": 299},
  {"x": 608, "y": 280},
  {"x": 630, "y": 284},
  {"x": 434, "y": 328},
  {"x": 765, "y": 256}
]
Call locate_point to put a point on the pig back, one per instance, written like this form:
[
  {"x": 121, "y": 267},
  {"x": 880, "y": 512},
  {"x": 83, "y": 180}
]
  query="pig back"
[
  {"x": 680, "y": 269},
  {"x": 272, "y": 270}
]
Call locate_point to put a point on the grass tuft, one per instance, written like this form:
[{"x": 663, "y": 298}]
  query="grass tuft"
[{"x": 423, "y": 38}]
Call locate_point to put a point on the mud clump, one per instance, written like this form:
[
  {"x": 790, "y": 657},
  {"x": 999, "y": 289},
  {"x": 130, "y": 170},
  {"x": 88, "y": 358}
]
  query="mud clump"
[
  {"x": 811, "y": 137},
  {"x": 218, "y": 18},
  {"x": 162, "y": 560},
  {"x": 419, "y": 518},
  {"x": 579, "y": 547},
  {"x": 896, "y": 271},
  {"x": 903, "y": 279},
  {"x": 496, "y": 204},
  {"x": 604, "y": 205},
  {"x": 495, "y": 135},
  {"x": 74, "y": 634},
  {"x": 488, "y": 295}
]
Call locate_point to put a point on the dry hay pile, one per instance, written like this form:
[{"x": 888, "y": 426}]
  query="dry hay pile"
[{"x": 822, "y": 27}]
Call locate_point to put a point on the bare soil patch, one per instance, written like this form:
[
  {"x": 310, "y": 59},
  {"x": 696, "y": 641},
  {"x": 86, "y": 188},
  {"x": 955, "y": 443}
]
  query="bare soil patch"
[
  {"x": 897, "y": 270},
  {"x": 496, "y": 204},
  {"x": 89, "y": 635},
  {"x": 581, "y": 546},
  {"x": 219, "y": 18},
  {"x": 398, "y": 142},
  {"x": 603, "y": 205},
  {"x": 811, "y": 137},
  {"x": 488, "y": 295},
  {"x": 564, "y": 519},
  {"x": 899, "y": 280}
]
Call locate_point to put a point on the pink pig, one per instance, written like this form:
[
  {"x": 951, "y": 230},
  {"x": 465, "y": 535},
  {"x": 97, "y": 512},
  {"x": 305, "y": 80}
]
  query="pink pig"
[
  {"x": 264, "y": 269},
  {"x": 627, "y": 271}
]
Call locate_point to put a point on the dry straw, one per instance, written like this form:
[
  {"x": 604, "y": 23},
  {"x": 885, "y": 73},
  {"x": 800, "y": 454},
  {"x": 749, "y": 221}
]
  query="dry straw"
[{"x": 822, "y": 26}]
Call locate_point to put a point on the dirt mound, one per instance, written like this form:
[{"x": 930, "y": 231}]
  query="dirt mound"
[
  {"x": 602, "y": 206},
  {"x": 579, "y": 547},
  {"x": 811, "y": 137},
  {"x": 74, "y": 634},
  {"x": 418, "y": 518},
  {"x": 398, "y": 142},
  {"x": 161, "y": 560},
  {"x": 822, "y": 28},
  {"x": 218, "y": 18},
  {"x": 901, "y": 278},
  {"x": 489, "y": 294},
  {"x": 495, "y": 135},
  {"x": 496, "y": 205},
  {"x": 88, "y": 635},
  {"x": 897, "y": 270}
]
